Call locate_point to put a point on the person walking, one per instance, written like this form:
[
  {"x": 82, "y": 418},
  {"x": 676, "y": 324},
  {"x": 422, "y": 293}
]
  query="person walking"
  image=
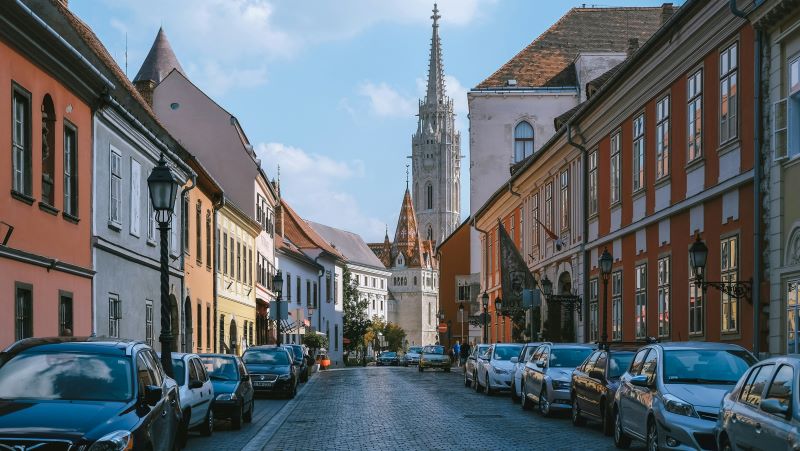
[
  {"x": 457, "y": 353},
  {"x": 465, "y": 352}
]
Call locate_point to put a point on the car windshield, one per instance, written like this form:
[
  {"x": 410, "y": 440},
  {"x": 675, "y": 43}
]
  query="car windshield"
[
  {"x": 506, "y": 352},
  {"x": 481, "y": 349},
  {"x": 266, "y": 357},
  {"x": 298, "y": 352},
  {"x": 67, "y": 376},
  {"x": 433, "y": 350},
  {"x": 568, "y": 357},
  {"x": 705, "y": 366},
  {"x": 389, "y": 354},
  {"x": 414, "y": 350},
  {"x": 221, "y": 368},
  {"x": 619, "y": 364},
  {"x": 179, "y": 369}
]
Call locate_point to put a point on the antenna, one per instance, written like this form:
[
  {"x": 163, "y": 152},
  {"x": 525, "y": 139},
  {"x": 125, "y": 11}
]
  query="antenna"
[
  {"x": 407, "y": 175},
  {"x": 126, "y": 54}
]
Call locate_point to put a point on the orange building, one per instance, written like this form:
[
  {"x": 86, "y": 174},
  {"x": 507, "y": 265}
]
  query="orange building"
[
  {"x": 47, "y": 94},
  {"x": 457, "y": 290}
]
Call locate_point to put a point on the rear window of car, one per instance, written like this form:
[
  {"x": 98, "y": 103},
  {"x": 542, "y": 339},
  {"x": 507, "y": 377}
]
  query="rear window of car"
[
  {"x": 568, "y": 357},
  {"x": 505, "y": 352},
  {"x": 221, "y": 368},
  {"x": 266, "y": 357},
  {"x": 620, "y": 362}
]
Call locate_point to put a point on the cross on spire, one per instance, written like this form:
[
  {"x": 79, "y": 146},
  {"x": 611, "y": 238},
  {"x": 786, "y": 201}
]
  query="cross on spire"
[{"x": 435, "y": 15}]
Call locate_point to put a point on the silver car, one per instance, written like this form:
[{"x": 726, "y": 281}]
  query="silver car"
[
  {"x": 670, "y": 396},
  {"x": 196, "y": 393},
  {"x": 496, "y": 371},
  {"x": 519, "y": 362},
  {"x": 471, "y": 366},
  {"x": 763, "y": 410},
  {"x": 547, "y": 376},
  {"x": 412, "y": 356}
]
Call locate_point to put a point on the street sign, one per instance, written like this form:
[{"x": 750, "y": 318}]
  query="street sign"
[
  {"x": 442, "y": 328},
  {"x": 273, "y": 310}
]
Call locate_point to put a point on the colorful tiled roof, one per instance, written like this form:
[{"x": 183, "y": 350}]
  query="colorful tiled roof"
[{"x": 302, "y": 235}]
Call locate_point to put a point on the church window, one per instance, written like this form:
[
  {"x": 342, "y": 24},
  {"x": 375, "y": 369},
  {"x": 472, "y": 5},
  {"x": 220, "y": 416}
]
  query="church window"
[
  {"x": 429, "y": 196},
  {"x": 430, "y": 233},
  {"x": 523, "y": 141}
]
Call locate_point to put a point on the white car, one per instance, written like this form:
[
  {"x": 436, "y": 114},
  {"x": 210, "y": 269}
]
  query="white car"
[
  {"x": 495, "y": 371},
  {"x": 196, "y": 393},
  {"x": 519, "y": 366}
]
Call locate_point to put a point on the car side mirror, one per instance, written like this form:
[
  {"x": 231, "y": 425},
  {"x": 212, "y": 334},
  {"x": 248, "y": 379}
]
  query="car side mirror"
[
  {"x": 775, "y": 407},
  {"x": 195, "y": 384},
  {"x": 152, "y": 394},
  {"x": 597, "y": 374},
  {"x": 640, "y": 381},
  {"x": 540, "y": 363},
  {"x": 245, "y": 377},
  {"x": 514, "y": 359}
]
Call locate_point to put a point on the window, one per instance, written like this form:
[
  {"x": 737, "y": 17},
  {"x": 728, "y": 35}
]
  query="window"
[
  {"x": 786, "y": 117},
  {"x": 694, "y": 116},
  {"x": 593, "y": 310},
  {"x": 208, "y": 239},
  {"x": 535, "y": 220},
  {"x": 233, "y": 258},
  {"x": 71, "y": 170},
  {"x": 199, "y": 343},
  {"x": 754, "y": 387},
  {"x": 616, "y": 169},
  {"x": 48, "y": 150},
  {"x": 148, "y": 322},
  {"x": 429, "y": 196},
  {"x": 429, "y": 313},
  {"x": 696, "y": 308},
  {"x": 300, "y": 290},
  {"x": 662, "y": 138},
  {"x": 23, "y": 311},
  {"x": 616, "y": 306},
  {"x": 114, "y": 315},
  {"x": 638, "y": 153},
  {"x": 565, "y": 200},
  {"x": 593, "y": 183},
  {"x": 239, "y": 261},
  {"x": 729, "y": 250},
  {"x": 225, "y": 253},
  {"x": 663, "y": 297},
  {"x": 548, "y": 205},
  {"x": 781, "y": 386},
  {"x": 65, "y": 327},
  {"x": 222, "y": 347},
  {"x": 151, "y": 221},
  {"x": 316, "y": 296},
  {"x": 430, "y": 233},
  {"x": 308, "y": 292},
  {"x": 793, "y": 316},
  {"x": 21, "y": 142},
  {"x": 650, "y": 365},
  {"x": 115, "y": 206},
  {"x": 728, "y": 88},
  {"x": 335, "y": 337},
  {"x": 249, "y": 265},
  {"x": 641, "y": 301},
  {"x": 198, "y": 228},
  {"x": 208, "y": 327},
  {"x": 336, "y": 287},
  {"x": 523, "y": 141},
  {"x": 185, "y": 222},
  {"x": 328, "y": 286}
]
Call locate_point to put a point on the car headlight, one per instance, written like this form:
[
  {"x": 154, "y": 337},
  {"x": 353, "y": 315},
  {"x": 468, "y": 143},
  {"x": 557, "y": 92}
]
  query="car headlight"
[
  {"x": 285, "y": 377},
  {"x": 560, "y": 385},
  {"x": 501, "y": 371},
  {"x": 226, "y": 397},
  {"x": 115, "y": 441},
  {"x": 678, "y": 406}
]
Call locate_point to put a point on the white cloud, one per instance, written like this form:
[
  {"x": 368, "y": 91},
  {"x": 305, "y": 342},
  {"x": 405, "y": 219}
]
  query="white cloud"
[
  {"x": 386, "y": 101},
  {"x": 314, "y": 185}
]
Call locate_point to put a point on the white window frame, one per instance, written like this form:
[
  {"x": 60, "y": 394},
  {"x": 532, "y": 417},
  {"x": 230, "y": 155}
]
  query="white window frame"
[
  {"x": 148, "y": 323},
  {"x": 696, "y": 309},
  {"x": 638, "y": 153},
  {"x": 70, "y": 169},
  {"x": 593, "y": 183},
  {"x": 616, "y": 168},
  {"x": 616, "y": 305},
  {"x": 663, "y": 159},
  {"x": 564, "y": 198},
  {"x": 793, "y": 316},
  {"x": 115, "y": 187},
  {"x": 729, "y": 274},
  {"x": 640, "y": 314},
  {"x": 523, "y": 143},
  {"x": 593, "y": 310},
  {"x": 694, "y": 108},
  {"x": 114, "y": 315},
  {"x": 728, "y": 78},
  {"x": 664, "y": 296}
]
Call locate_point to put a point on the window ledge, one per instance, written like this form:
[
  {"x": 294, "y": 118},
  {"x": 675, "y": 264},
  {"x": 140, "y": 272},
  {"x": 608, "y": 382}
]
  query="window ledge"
[
  {"x": 664, "y": 180},
  {"x": 47, "y": 208},
  {"x": 790, "y": 161},
  {"x": 638, "y": 193},
  {"x": 594, "y": 215},
  {"x": 151, "y": 242},
  {"x": 615, "y": 204},
  {"x": 22, "y": 197},
  {"x": 114, "y": 225},
  {"x": 699, "y": 161},
  {"x": 70, "y": 218},
  {"x": 728, "y": 146}
]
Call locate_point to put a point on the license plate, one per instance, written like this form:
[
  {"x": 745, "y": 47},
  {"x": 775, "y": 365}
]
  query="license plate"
[{"x": 263, "y": 384}]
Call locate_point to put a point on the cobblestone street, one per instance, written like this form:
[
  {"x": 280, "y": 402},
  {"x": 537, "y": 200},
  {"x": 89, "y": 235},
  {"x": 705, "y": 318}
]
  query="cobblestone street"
[{"x": 399, "y": 408}]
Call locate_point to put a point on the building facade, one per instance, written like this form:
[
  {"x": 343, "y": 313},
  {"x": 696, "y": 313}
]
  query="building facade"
[
  {"x": 266, "y": 201},
  {"x": 458, "y": 294}
]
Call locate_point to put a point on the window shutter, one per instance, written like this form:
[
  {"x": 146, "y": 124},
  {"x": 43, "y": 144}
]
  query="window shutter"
[
  {"x": 136, "y": 183},
  {"x": 779, "y": 129}
]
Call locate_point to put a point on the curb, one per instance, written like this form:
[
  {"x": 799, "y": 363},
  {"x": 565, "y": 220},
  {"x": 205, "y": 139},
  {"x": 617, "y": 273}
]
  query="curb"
[{"x": 260, "y": 440}]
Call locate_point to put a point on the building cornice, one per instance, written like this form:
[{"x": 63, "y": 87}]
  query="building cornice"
[{"x": 45, "y": 262}]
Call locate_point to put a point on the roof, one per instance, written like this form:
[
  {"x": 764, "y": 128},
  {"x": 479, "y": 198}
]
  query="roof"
[
  {"x": 675, "y": 345},
  {"x": 302, "y": 235},
  {"x": 548, "y": 60},
  {"x": 159, "y": 61},
  {"x": 351, "y": 245}
]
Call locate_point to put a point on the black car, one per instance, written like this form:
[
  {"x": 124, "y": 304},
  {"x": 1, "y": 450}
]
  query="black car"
[
  {"x": 594, "y": 384},
  {"x": 388, "y": 358},
  {"x": 300, "y": 359},
  {"x": 82, "y": 393},
  {"x": 272, "y": 370},
  {"x": 233, "y": 390}
]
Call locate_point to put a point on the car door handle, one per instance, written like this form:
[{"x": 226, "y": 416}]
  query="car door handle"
[
  {"x": 758, "y": 428},
  {"x": 164, "y": 413},
  {"x": 734, "y": 419}
]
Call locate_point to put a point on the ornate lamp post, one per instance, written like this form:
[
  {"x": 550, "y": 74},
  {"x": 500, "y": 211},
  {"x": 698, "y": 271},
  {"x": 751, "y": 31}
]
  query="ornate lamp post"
[
  {"x": 163, "y": 185},
  {"x": 698, "y": 257},
  {"x": 498, "y": 309},
  {"x": 461, "y": 319},
  {"x": 604, "y": 262},
  {"x": 547, "y": 286},
  {"x": 277, "y": 282},
  {"x": 485, "y": 301}
]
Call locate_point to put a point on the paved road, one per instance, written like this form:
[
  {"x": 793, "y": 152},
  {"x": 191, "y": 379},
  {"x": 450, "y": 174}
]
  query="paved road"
[{"x": 399, "y": 408}]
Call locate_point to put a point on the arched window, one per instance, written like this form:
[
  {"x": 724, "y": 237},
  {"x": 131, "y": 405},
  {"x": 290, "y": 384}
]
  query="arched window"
[
  {"x": 523, "y": 141},
  {"x": 430, "y": 233},
  {"x": 48, "y": 150},
  {"x": 429, "y": 196}
]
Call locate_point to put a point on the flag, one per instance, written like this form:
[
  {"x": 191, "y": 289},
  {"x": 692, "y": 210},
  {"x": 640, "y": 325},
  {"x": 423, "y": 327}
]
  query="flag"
[
  {"x": 514, "y": 274},
  {"x": 549, "y": 232}
]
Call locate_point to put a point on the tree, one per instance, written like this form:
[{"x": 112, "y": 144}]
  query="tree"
[
  {"x": 376, "y": 325},
  {"x": 395, "y": 336},
  {"x": 356, "y": 323},
  {"x": 315, "y": 341}
]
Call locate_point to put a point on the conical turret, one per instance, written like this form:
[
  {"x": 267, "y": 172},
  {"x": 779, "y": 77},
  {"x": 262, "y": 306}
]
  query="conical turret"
[{"x": 159, "y": 61}]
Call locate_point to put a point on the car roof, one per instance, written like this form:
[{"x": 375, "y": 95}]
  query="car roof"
[
  {"x": 268, "y": 348},
  {"x": 91, "y": 345},
  {"x": 572, "y": 345},
  {"x": 507, "y": 345},
  {"x": 677, "y": 345},
  {"x": 229, "y": 356}
]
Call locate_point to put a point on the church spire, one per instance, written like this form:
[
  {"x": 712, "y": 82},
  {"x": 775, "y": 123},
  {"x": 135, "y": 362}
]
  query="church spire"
[
  {"x": 435, "y": 69},
  {"x": 159, "y": 61}
]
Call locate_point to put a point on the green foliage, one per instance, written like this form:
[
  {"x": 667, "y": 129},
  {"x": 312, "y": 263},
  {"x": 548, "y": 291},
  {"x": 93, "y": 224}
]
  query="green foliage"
[
  {"x": 315, "y": 341},
  {"x": 356, "y": 322},
  {"x": 376, "y": 325},
  {"x": 395, "y": 336}
]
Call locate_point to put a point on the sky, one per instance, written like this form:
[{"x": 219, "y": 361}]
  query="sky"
[{"x": 328, "y": 90}]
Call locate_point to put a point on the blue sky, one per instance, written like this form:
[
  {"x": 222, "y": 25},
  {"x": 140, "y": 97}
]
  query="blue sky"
[{"x": 328, "y": 89}]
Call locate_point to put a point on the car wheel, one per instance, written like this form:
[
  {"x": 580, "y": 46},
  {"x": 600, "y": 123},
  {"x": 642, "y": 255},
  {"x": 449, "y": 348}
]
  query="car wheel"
[
  {"x": 447, "y": 370},
  {"x": 466, "y": 380},
  {"x": 607, "y": 421},
  {"x": 236, "y": 419},
  {"x": 489, "y": 391},
  {"x": 514, "y": 395},
  {"x": 207, "y": 428},
  {"x": 544, "y": 404},
  {"x": 248, "y": 417},
  {"x": 420, "y": 369},
  {"x": 621, "y": 440},
  {"x": 652, "y": 435},
  {"x": 724, "y": 443},
  {"x": 577, "y": 419},
  {"x": 293, "y": 392},
  {"x": 525, "y": 402},
  {"x": 183, "y": 430}
]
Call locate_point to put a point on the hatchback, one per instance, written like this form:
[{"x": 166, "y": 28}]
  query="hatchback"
[
  {"x": 196, "y": 393},
  {"x": 496, "y": 371},
  {"x": 519, "y": 362},
  {"x": 547, "y": 376},
  {"x": 670, "y": 396},
  {"x": 471, "y": 365}
]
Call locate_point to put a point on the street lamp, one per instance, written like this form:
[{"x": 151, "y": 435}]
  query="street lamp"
[
  {"x": 547, "y": 286},
  {"x": 277, "y": 282},
  {"x": 605, "y": 261},
  {"x": 698, "y": 257},
  {"x": 461, "y": 319},
  {"x": 498, "y": 307},
  {"x": 163, "y": 187},
  {"x": 485, "y": 300}
]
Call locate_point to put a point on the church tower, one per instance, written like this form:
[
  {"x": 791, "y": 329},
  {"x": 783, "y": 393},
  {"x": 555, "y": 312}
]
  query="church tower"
[{"x": 436, "y": 153}]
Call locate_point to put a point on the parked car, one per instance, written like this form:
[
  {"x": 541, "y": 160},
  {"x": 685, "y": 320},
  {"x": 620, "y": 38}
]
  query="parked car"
[
  {"x": 300, "y": 360},
  {"x": 547, "y": 376},
  {"x": 519, "y": 362},
  {"x": 471, "y": 365},
  {"x": 388, "y": 358},
  {"x": 762, "y": 411},
  {"x": 595, "y": 382},
  {"x": 433, "y": 356},
  {"x": 272, "y": 370},
  {"x": 233, "y": 389},
  {"x": 496, "y": 371},
  {"x": 411, "y": 357},
  {"x": 196, "y": 393},
  {"x": 670, "y": 396},
  {"x": 86, "y": 393}
]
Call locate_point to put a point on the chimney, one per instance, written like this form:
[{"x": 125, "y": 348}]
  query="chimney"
[
  {"x": 633, "y": 46},
  {"x": 146, "y": 88},
  {"x": 279, "y": 219},
  {"x": 667, "y": 10}
]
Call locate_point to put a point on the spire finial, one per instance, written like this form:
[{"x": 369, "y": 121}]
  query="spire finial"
[
  {"x": 406, "y": 176},
  {"x": 435, "y": 15},
  {"x": 435, "y": 91}
]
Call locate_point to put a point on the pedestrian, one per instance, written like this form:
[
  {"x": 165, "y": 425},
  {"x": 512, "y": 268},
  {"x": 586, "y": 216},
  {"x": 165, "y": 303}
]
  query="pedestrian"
[
  {"x": 465, "y": 352},
  {"x": 452, "y": 356},
  {"x": 457, "y": 353}
]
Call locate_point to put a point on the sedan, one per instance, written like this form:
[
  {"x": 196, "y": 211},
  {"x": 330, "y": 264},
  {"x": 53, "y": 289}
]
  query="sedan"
[
  {"x": 270, "y": 369},
  {"x": 412, "y": 356},
  {"x": 496, "y": 371},
  {"x": 86, "y": 393},
  {"x": 471, "y": 366},
  {"x": 594, "y": 384},
  {"x": 519, "y": 362},
  {"x": 300, "y": 360},
  {"x": 387, "y": 358},
  {"x": 763, "y": 410},
  {"x": 233, "y": 389},
  {"x": 434, "y": 357},
  {"x": 547, "y": 376}
]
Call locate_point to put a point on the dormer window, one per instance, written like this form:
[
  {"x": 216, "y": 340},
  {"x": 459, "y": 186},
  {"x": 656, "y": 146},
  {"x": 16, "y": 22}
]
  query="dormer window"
[
  {"x": 400, "y": 261},
  {"x": 523, "y": 141}
]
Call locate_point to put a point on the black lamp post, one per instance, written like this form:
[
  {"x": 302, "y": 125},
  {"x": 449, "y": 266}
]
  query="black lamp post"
[
  {"x": 698, "y": 257},
  {"x": 461, "y": 320},
  {"x": 498, "y": 310},
  {"x": 163, "y": 186},
  {"x": 547, "y": 287},
  {"x": 277, "y": 282},
  {"x": 485, "y": 300},
  {"x": 605, "y": 261}
]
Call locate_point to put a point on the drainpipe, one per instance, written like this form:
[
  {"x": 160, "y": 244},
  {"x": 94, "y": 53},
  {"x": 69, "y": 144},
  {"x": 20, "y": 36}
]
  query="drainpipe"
[
  {"x": 320, "y": 272},
  {"x": 186, "y": 327},
  {"x": 586, "y": 253},
  {"x": 216, "y": 206},
  {"x": 756, "y": 292},
  {"x": 486, "y": 274}
]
